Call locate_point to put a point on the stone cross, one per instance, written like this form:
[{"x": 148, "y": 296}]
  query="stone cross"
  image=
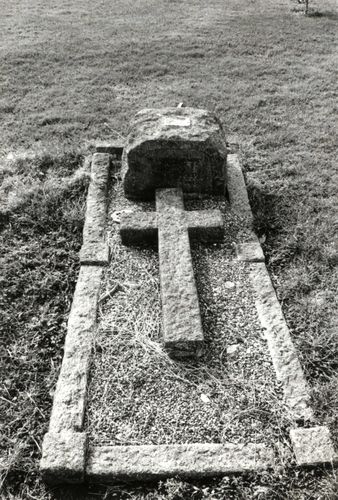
[
  {"x": 170, "y": 151},
  {"x": 182, "y": 328}
]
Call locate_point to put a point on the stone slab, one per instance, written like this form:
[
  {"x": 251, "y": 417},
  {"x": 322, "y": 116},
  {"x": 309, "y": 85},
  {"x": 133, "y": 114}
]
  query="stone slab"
[
  {"x": 250, "y": 251},
  {"x": 149, "y": 462},
  {"x": 238, "y": 195},
  {"x": 63, "y": 457},
  {"x": 70, "y": 394},
  {"x": 95, "y": 249},
  {"x": 174, "y": 147},
  {"x": 113, "y": 148},
  {"x": 182, "y": 327},
  {"x": 140, "y": 228},
  {"x": 313, "y": 446},
  {"x": 283, "y": 353}
]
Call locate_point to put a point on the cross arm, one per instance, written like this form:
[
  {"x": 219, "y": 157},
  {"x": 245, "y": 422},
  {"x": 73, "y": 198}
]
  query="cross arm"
[
  {"x": 141, "y": 227},
  {"x": 205, "y": 225},
  {"x": 138, "y": 228}
]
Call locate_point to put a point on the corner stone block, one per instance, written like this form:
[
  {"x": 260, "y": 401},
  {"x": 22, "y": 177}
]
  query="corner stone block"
[
  {"x": 313, "y": 446},
  {"x": 64, "y": 457},
  {"x": 238, "y": 194},
  {"x": 174, "y": 147},
  {"x": 95, "y": 250},
  {"x": 113, "y": 148},
  {"x": 100, "y": 170}
]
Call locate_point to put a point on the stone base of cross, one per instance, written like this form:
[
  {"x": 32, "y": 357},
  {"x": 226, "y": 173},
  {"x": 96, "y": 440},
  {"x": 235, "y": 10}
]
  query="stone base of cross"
[{"x": 172, "y": 225}]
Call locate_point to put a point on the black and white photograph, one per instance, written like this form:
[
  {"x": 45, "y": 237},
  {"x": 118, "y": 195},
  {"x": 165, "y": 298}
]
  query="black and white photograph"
[{"x": 168, "y": 250}]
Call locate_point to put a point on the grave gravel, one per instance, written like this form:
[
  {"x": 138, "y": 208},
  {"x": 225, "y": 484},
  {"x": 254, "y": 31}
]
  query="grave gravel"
[{"x": 137, "y": 394}]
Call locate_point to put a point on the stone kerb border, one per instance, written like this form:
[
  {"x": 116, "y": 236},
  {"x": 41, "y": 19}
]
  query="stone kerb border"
[
  {"x": 66, "y": 457},
  {"x": 312, "y": 445},
  {"x": 154, "y": 462},
  {"x": 95, "y": 249},
  {"x": 284, "y": 356},
  {"x": 65, "y": 445},
  {"x": 287, "y": 367}
]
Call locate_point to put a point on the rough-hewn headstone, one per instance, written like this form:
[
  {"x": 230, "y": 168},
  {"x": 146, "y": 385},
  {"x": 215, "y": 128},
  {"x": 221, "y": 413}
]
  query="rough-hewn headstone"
[{"x": 173, "y": 147}]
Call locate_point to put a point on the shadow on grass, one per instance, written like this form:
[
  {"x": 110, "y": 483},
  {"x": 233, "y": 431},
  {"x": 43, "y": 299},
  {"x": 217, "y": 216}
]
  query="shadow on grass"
[
  {"x": 38, "y": 180},
  {"x": 39, "y": 240},
  {"x": 326, "y": 14},
  {"x": 277, "y": 485},
  {"x": 266, "y": 208}
]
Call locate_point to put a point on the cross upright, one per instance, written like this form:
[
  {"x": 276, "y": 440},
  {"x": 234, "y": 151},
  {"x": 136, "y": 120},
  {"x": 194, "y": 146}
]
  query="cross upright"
[
  {"x": 169, "y": 152},
  {"x": 182, "y": 328}
]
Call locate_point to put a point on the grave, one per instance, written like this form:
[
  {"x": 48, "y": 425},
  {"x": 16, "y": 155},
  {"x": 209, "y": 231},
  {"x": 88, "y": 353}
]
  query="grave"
[{"x": 176, "y": 169}]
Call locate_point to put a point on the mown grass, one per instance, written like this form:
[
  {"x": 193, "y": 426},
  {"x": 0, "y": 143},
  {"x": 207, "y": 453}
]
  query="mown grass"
[
  {"x": 72, "y": 72},
  {"x": 40, "y": 239}
]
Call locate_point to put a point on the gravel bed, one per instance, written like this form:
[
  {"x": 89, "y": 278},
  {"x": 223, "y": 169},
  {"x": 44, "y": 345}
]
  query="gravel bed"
[{"x": 137, "y": 394}]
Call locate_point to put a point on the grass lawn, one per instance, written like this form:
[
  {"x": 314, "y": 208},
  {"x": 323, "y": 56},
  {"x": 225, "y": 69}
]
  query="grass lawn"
[{"x": 73, "y": 72}]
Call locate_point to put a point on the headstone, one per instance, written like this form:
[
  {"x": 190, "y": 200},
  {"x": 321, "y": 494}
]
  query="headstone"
[
  {"x": 174, "y": 147},
  {"x": 170, "y": 152}
]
